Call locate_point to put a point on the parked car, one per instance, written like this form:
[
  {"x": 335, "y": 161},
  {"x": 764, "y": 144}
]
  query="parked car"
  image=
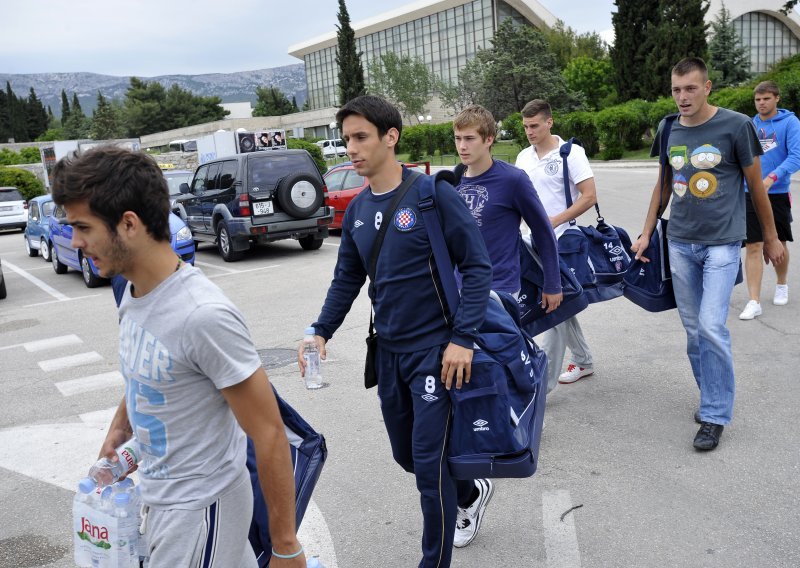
[
  {"x": 2, "y": 283},
  {"x": 13, "y": 209},
  {"x": 332, "y": 148},
  {"x": 174, "y": 180},
  {"x": 344, "y": 184},
  {"x": 64, "y": 256},
  {"x": 256, "y": 198},
  {"x": 37, "y": 229}
]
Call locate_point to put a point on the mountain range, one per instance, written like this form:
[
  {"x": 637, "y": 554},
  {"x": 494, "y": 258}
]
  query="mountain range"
[{"x": 230, "y": 87}]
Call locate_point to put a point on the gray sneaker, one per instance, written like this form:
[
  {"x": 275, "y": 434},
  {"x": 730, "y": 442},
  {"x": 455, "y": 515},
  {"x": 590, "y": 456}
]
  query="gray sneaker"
[{"x": 469, "y": 520}]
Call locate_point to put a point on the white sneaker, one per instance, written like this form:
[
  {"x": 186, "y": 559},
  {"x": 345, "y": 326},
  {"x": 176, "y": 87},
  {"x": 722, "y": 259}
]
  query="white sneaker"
[
  {"x": 781, "y": 297},
  {"x": 751, "y": 310},
  {"x": 468, "y": 520},
  {"x": 574, "y": 373}
]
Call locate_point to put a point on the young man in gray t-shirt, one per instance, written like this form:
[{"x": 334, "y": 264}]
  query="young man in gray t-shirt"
[
  {"x": 193, "y": 379},
  {"x": 711, "y": 152}
]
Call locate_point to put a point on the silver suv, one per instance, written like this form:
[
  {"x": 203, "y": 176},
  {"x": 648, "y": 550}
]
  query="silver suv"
[{"x": 256, "y": 198}]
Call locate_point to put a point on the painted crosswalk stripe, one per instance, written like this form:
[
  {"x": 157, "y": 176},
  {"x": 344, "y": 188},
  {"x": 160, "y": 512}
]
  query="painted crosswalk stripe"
[
  {"x": 560, "y": 539},
  {"x": 70, "y": 361},
  {"x": 91, "y": 383},
  {"x": 52, "y": 343},
  {"x": 99, "y": 418}
]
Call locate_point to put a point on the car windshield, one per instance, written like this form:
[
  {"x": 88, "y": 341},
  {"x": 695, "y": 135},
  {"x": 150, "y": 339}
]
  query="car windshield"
[
  {"x": 270, "y": 169},
  {"x": 48, "y": 207},
  {"x": 175, "y": 179},
  {"x": 10, "y": 195}
]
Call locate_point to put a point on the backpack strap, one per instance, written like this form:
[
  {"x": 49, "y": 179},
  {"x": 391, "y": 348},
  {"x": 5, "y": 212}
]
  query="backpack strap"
[
  {"x": 564, "y": 151},
  {"x": 663, "y": 159},
  {"x": 453, "y": 177}
]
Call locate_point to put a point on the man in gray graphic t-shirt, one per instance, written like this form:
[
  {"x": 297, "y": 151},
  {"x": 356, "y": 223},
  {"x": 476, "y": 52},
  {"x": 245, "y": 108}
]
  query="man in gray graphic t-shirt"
[{"x": 194, "y": 383}]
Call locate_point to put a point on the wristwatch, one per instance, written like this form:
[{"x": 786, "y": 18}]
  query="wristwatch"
[{"x": 773, "y": 176}]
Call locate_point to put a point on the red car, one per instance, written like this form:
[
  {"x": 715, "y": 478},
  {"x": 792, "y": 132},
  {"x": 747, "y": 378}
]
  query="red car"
[{"x": 344, "y": 184}]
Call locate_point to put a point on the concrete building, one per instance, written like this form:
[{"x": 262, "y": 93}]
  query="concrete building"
[{"x": 444, "y": 34}]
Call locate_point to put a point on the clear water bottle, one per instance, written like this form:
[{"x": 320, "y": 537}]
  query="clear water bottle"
[
  {"x": 314, "y": 562},
  {"x": 83, "y": 502},
  {"x": 313, "y": 373},
  {"x": 128, "y": 530},
  {"x": 105, "y": 471}
]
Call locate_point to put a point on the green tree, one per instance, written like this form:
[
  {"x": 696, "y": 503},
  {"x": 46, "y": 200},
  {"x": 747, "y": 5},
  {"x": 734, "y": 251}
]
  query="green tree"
[
  {"x": 5, "y": 119},
  {"x": 728, "y": 58},
  {"x": 467, "y": 90},
  {"x": 590, "y": 77},
  {"x": 789, "y": 6},
  {"x": 17, "y": 118},
  {"x": 105, "y": 122},
  {"x": 567, "y": 44},
  {"x": 407, "y": 82},
  {"x": 351, "y": 71},
  {"x": 681, "y": 32},
  {"x": 26, "y": 182},
  {"x": 517, "y": 68},
  {"x": 36, "y": 115},
  {"x": 272, "y": 102},
  {"x": 64, "y": 107},
  {"x": 295, "y": 108},
  {"x": 77, "y": 125}
]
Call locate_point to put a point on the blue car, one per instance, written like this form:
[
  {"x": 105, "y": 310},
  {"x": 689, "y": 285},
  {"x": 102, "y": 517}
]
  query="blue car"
[
  {"x": 37, "y": 229},
  {"x": 64, "y": 256}
]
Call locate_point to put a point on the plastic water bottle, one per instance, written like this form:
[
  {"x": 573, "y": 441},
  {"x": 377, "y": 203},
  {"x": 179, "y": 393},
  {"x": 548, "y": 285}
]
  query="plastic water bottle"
[
  {"x": 128, "y": 527},
  {"x": 313, "y": 374},
  {"x": 314, "y": 562},
  {"x": 105, "y": 472},
  {"x": 83, "y": 501}
]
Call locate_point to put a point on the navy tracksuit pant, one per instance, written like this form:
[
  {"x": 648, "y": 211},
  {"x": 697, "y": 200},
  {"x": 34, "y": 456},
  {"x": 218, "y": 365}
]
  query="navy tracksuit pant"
[{"x": 416, "y": 411}]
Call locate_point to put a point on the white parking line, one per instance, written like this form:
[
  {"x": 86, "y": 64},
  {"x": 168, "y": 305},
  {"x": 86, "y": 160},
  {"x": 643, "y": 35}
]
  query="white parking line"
[
  {"x": 70, "y": 361},
  {"x": 42, "y": 344},
  {"x": 91, "y": 383},
  {"x": 56, "y": 301},
  {"x": 560, "y": 539},
  {"x": 330, "y": 245},
  {"x": 244, "y": 271},
  {"x": 216, "y": 267},
  {"x": 49, "y": 289}
]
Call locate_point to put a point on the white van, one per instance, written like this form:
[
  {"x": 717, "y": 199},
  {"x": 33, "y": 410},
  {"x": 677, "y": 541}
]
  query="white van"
[{"x": 332, "y": 148}]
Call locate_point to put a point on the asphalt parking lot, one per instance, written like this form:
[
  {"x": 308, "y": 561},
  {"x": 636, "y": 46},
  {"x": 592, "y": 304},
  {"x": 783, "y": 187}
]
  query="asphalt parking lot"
[{"x": 619, "y": 443}]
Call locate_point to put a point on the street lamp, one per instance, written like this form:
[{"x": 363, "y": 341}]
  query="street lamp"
[
  {"x": 334, "y": 127},
  {"x": 424, "y": 118}
]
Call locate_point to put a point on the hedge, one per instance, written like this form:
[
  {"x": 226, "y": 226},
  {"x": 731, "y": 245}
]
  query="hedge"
[
  {"x": 313, "y": 149},
  {"x": 581, "y": 125},
  {"x": 26, "y": 182}
]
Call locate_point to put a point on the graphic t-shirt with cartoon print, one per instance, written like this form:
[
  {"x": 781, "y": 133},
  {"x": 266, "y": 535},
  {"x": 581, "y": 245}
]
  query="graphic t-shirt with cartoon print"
[{"x": 708, "y": 205}]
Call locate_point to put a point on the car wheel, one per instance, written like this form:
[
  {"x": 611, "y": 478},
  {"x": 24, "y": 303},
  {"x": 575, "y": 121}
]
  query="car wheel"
[
  {"x": 58, "y": 266},
  {"x": 30, "y": 250},
  {"x": 44, "y": 248},
  {"x": 311, "y": 242},
  {"x": 2, "y": 288},
  {"x": 225, "y": 244},
  {"x": 90, "y": 278},
  {"x": 300, "y": 195}
]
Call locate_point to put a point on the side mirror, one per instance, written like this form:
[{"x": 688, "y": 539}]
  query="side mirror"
[{"x": 184, "y": 188}]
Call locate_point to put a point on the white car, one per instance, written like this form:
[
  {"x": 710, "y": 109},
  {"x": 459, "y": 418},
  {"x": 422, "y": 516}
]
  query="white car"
[
  {"x": 13, "y": 209},
  {"x": 332, "y": 148}
]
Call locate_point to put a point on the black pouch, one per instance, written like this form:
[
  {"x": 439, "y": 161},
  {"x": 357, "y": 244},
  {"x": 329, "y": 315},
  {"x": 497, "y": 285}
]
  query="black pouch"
[{"x": 370, "y": 373}]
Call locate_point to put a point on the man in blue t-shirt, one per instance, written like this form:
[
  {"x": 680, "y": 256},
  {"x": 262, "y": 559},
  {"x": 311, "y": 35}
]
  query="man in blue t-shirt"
[
  {"x": 419, "y": 356},
  {"x": 712, "y": 151},
  {"x": 499, "y": 197},
  {"x": 779, "y": 133}
]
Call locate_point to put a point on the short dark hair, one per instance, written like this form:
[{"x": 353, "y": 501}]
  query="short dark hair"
[
  {"x": 689, "y": 64},
  {"x": 113, "y": 180},
  {"x": 767, "y": 87},
  {"x": 377, "y": 110},
  {"x": 537, "y": 106}
]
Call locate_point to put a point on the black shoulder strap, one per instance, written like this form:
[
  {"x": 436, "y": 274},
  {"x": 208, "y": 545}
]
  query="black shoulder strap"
[
  {"x": 453, "y": 177},
  {"x": 376, "y": 247},
  {"x": 663, "y": 158},
  {"x": 564, "y": 151}
]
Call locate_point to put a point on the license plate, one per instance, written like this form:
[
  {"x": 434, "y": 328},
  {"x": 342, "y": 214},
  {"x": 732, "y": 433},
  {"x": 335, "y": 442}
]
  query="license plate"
[
  {"x": 6, "y": 208},
  {"x": 263, "y": 208}
]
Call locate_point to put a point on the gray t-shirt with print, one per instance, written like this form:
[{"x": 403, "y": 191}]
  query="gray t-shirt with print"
[
  {"x": 179, "y": 345},
  {"x": 708, "y": 205}
]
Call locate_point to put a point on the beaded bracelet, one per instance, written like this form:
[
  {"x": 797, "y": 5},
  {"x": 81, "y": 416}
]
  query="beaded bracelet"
[{"x": 287, "y": 556}]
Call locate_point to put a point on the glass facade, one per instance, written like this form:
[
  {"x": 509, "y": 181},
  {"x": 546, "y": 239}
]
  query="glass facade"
[
  {"x": 444, "y": 41},
  {"x": 768, "y": 38}
]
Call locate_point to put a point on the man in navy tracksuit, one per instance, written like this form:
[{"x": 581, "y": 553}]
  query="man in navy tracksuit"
[{"x": 419, "y": 356}]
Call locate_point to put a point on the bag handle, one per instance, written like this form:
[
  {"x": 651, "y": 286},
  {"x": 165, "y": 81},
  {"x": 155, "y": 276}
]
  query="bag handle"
[
  {"x": 564, "y": 151},
  {"x": 663, "y": 160},
  {"x": 401, "y": 190}
]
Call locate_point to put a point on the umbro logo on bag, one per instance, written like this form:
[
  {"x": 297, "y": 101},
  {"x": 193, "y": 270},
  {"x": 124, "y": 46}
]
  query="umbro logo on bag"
[
  {"x": 429, "y": 397},
  {"x": 358, "y": 223},
  {"x": 480, "y": 425}
]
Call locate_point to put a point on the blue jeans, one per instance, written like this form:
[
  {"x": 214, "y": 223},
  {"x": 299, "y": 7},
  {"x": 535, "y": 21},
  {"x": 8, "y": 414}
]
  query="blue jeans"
[{"x": 703, "y": 277}]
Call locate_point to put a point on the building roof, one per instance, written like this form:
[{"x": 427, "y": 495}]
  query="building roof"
[{"x": 531, "y": 9}]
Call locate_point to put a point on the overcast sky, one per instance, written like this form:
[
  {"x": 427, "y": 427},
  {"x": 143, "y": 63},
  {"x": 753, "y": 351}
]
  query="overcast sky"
[{"x": 147, "y": 38}]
